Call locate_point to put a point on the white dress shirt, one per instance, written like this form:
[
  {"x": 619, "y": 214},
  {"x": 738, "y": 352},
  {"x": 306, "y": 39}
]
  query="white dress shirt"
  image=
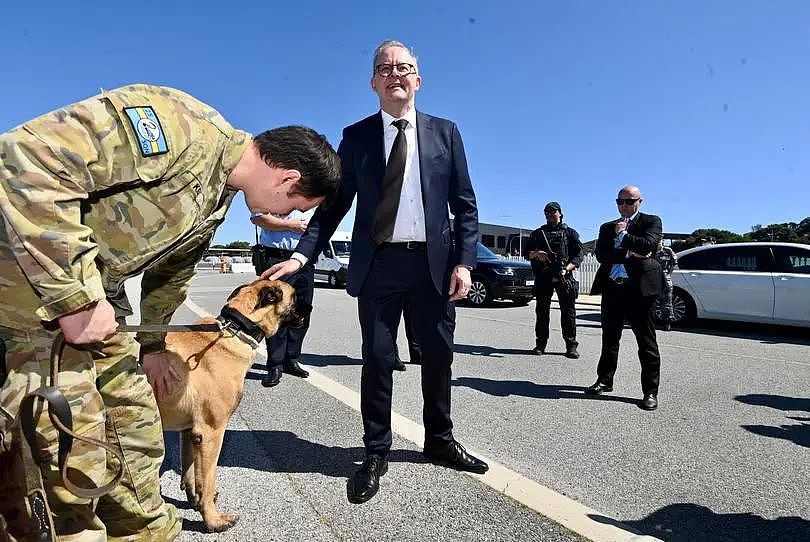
[{"x": 410, "y": 222}]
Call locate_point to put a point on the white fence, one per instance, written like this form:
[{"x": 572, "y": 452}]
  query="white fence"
[{"x": 586, "y": 271}]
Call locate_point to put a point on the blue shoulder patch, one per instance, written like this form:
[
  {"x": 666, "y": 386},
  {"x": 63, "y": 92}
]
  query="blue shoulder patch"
[{"x": 146, "y": 125}]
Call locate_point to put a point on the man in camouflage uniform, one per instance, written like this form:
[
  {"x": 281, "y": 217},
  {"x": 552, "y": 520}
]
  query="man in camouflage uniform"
[
  {"x": 131, "y": 181},
  {"x": 666, "y": 256}
]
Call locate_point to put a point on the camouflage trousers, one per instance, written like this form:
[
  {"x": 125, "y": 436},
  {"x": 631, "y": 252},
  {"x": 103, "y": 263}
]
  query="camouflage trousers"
[{"x": 110, "y": 398}]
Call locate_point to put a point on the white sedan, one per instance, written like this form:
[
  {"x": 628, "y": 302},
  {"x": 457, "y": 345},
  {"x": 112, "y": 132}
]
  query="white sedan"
[{"x": 750, "y": 282}]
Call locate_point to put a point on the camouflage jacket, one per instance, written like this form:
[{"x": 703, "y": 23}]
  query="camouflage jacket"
[{"x": 129, "y": 181}]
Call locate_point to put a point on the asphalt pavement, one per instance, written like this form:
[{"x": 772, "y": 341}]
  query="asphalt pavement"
[{"x": 724, "y": 458}]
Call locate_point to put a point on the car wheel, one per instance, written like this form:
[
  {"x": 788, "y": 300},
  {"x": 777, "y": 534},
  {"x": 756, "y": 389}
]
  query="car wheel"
[
  {"x": 333, "y": 281},
  {"x": 683, "y": 307},
  {"x": 521, "y": 300},
  {"x": 479, "y": 293}
]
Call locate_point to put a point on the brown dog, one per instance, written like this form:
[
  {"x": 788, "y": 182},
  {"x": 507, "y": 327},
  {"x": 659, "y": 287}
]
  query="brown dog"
[{"x": 213, "y": 366}]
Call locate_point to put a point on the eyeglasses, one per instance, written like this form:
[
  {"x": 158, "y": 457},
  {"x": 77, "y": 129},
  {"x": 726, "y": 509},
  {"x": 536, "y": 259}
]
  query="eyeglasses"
[
  {"x": 626, "y": 201},
  {"x": 387, "y": 70}
]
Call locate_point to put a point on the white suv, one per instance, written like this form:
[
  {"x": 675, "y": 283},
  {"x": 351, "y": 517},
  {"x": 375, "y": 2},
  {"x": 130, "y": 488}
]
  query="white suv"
[{"x": 750, "y": 282}]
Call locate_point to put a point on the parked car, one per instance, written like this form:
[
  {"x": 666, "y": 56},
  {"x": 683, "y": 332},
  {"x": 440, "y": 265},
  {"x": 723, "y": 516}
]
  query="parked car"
[
  {"x": 333, "y": 263},
  {"x": 749, "y": 282},
  {"x": 497, "y": 278}
]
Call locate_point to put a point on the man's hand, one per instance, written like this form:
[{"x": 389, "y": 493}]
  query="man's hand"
[
  {"x": 621, "y": 225},
  {"x": 298, "y": 225},
  {"x": 160, "y": 373},
  {"x": 282, "y": 269},
  {"x": 91, "y": 324},
  {"x": 539, "y": 255},
  {"x": 460, "y": 282}
]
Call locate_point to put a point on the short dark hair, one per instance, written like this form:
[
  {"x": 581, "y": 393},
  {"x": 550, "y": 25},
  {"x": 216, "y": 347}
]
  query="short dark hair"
[{"x": 303, "y": 149}]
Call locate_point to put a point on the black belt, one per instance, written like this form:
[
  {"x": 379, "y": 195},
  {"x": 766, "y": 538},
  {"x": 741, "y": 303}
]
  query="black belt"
[
  {"x": 406, "y": 245},
  {"x": 278, "y": 252}
]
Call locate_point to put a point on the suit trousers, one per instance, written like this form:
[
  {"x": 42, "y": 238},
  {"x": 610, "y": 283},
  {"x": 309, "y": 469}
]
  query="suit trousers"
[
  {"x": 284, "y": 348},
  {"x": 398, "y": 276},
  {"x": 620, "y": 301},
  {"x": 544, "y": 288}
]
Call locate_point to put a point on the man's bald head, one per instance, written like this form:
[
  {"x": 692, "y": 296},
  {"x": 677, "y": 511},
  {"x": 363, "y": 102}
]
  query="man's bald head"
[{"x": 629, "y": 200}]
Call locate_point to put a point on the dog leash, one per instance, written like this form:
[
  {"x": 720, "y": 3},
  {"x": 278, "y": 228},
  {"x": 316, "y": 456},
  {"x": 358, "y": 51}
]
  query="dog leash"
[
  {"x": 24, "y": 431},
  {"x": 222, "y": 326}
]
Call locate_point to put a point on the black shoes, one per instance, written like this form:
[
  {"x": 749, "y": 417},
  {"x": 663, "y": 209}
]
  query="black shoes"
[
  {"x": 571, "y": 351},
  {"x": 365, "y": 483},
  {"x": 539, "y": 350},
  {"x": 416, "y": 359},
  {"x": 598, "y": 389},
  {"x": 398, "y": 365},
  {"x": 296, "y": 370},
  {"x": 454, "y": 455},
  {"x": 650, "y": 402},
  {"x": 272, "y": 378}
]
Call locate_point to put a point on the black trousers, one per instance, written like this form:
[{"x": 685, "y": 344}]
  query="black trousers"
[
  {"x": 414, "y": 350},
  {"x": 284, "y": 348},
  {"x": 399, "y": 276},
  {"x": 620, "y": 302},
  {"x": 544, "y": 289}
]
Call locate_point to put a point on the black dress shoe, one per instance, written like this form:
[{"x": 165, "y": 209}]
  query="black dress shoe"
[
  {"x": 571, "y": 352},
  {"x": 650, "y": 402},
  {"x": 273, "y": 377},
  {"x": 365, "y": 483},
  {"x": 539, "y": 350},
  {"x": 398, "y": 365},
  {"x": 416, "y": 359},
  {"x": 296, "y": 370},
  {"x": 598, "y": 389},
  {"x": 454, "y": 455}
]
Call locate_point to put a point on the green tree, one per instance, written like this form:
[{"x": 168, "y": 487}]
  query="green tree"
[
  {"x": 704, "y": 235},
  {"x": 238, "y": 244}
]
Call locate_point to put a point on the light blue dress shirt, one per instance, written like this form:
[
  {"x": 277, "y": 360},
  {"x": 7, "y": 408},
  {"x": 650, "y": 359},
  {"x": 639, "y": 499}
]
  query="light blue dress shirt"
[
  {"x": 287, "y": 239},
  {"x": 618, "y": 271}
]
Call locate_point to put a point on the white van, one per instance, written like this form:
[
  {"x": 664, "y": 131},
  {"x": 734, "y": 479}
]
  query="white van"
[{"x": 333, "y": 263}]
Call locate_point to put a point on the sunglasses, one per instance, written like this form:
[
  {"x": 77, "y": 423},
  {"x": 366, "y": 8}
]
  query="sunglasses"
[{"x": 626, "y": 201}]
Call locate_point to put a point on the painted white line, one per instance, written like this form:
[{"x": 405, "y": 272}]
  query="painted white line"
[{"x": 547, "y": 502}]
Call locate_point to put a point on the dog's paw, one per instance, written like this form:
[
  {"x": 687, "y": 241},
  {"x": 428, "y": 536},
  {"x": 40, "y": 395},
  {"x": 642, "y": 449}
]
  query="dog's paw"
[
  {"x": 193, "y": 500},
  {"x": 223, "y": 522}
]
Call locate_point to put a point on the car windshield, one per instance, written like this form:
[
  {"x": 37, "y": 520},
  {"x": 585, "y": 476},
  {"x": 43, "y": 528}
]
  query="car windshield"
[
  {"x": 484, "y": 253},
  {"x": 342, "y": 248}
]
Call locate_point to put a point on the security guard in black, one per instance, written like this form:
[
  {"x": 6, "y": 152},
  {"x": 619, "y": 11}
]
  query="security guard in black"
[{"x": 554, "y": 250}]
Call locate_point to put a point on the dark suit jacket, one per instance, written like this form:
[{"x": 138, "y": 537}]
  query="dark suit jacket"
[
  {"x": 444, "y": 180},
  {"x": 642, "y": 237}
]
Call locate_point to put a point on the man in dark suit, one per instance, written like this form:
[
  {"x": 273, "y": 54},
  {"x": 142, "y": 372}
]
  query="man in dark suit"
[
  {"x": 406, "y": 168},
  {"x": 629, "y": 279}
]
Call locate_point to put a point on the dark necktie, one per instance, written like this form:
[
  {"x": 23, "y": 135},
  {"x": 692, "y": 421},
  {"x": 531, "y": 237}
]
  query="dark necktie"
[{"x": 386, "y": 213}]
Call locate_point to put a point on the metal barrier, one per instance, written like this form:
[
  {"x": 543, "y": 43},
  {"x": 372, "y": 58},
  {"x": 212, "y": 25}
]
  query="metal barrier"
[{"x": 584, "y": 274}]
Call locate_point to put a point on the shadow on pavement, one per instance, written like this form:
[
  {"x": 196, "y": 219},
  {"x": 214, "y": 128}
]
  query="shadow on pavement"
[
  {"x": 482, "y": 350},
  {"x": 796, "y": 433},
  {"x": 687, "y": 522},
  {"x": 504, "y": 388},
  {"x": 284, "y": 451}
]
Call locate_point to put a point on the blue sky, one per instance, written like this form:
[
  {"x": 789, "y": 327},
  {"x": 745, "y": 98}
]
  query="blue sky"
[{"x": 703, "y": 104}]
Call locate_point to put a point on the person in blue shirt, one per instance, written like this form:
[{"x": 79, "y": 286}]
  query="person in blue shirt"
[{"x": 279, "y": 237}]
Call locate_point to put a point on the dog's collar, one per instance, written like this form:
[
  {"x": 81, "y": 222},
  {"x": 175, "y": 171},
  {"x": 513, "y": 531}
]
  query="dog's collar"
[{"x": 235, "y": 322}]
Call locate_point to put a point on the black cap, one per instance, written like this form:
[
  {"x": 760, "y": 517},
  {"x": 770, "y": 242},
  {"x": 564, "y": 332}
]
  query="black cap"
[{"x": 552, "y": 206}]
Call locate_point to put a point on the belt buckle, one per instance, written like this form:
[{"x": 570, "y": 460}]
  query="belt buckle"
[
  {"x": 619, "y": 280},
  {"x": 412, "y": 245}
]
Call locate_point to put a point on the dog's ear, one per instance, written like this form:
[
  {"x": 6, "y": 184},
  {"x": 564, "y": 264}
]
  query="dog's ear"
[
  {"x": 233, "y": 294},
  {"x": 269, "y": 295}
]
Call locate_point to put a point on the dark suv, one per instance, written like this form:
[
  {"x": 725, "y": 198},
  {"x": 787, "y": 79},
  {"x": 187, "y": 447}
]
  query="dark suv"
[{"x": 496, "y": 278}]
